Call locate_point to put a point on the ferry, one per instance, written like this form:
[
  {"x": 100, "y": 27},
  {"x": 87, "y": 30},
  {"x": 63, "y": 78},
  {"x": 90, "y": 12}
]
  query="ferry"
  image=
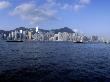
[
  {"x": 78, "y": 41},
  {"x": 107, "y": 42},
  {"x": 14, "y": 41}
]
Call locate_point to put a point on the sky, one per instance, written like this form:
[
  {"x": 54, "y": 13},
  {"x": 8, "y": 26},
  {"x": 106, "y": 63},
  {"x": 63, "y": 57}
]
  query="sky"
[{"x": 91, "y": 17}]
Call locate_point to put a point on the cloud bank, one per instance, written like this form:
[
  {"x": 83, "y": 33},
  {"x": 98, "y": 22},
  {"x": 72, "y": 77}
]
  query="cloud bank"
[
  {"x": 36, "y": 13},
  {"x": 77, "y": 6},
  {"x": 4, "y": 4},
  {"x": 81, "y": 4}
]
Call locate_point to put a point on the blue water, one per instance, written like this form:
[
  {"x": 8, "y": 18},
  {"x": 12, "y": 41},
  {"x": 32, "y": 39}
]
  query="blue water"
[{"x": 54, "y": 62}]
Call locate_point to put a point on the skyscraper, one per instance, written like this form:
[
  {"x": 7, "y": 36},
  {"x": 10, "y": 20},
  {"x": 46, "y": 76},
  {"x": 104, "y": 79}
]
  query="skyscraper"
[
  {"x": 21, "y": 31},
  {"x": 15, "y": 38},
  {"x": 37, "y": 29},
  {"x": 24, "y": 35},
  {"x": 29, "y": 35}
]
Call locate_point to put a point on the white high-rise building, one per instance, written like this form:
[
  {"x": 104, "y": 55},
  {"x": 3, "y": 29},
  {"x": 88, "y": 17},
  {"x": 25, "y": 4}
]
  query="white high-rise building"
[
  {"x": 29, "y": 35},
  {"x": 37, "y": 29},
  {"x": 15, "y": 38},
  {"x": 12, "y": 34},
  {"x": 21, "y": 31}
]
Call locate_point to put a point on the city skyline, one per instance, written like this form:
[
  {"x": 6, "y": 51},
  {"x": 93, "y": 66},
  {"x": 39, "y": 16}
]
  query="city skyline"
[
  {"x": 36, "y": 34},
  {"x": 88, "y": 16}
]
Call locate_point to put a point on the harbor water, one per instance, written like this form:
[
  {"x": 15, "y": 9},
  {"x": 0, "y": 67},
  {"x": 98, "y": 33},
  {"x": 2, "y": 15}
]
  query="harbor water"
[{"x": 33, "y": 61}]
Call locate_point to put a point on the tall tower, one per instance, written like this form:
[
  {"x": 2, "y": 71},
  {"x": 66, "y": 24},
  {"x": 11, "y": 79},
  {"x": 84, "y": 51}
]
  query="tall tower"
[
  {"x": 37, "y": 29},
  {"x": 12, "y": 34},
  {"x": 30, "y": 35},
  {"x": 21, "y": 34},
  {"x": 15, "y": 35},
  {"x": 24, "y": 35},
  {"x": 21, "y": 31}
]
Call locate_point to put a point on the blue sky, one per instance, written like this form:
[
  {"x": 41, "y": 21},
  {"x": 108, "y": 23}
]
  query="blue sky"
[{"x": 87, "y": 16}]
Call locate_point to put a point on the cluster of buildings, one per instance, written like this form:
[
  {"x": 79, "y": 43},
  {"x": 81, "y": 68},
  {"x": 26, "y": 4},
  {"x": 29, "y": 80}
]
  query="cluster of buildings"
[{"x": 39, "y": 35}]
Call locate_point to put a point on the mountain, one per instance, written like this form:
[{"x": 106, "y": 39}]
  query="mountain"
[
  {"x": 4, "y": 32},
  {"x": 65, "y": 29},
  {"x": 1, "y": 31},
  {"x": 21, "y": 28},
  {"x": 43, "y": 30}
]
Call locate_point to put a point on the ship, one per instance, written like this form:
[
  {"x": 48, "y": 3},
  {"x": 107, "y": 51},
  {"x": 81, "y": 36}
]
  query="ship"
[
  {"x": 80, "y": 41},
  {"x": 107, "y": 42},
  {"x": 14, "y": 41}
]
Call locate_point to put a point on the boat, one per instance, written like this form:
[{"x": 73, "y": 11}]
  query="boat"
[
  {"x": 14, "y": 41},
  {"x": 78, "y": 42},
  {"x": 107, "y": 42}
]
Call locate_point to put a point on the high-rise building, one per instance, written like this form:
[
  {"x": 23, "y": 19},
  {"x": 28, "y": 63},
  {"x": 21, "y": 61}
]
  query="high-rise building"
[
  {"x": 21, "y": 34},
  {"x": 1, "y": 36},
  {"x": 65, "y": 36},
  {"x": 24, "y": 35},
  {"x": 15, "y": 38},
  {"x": 4, "y": 36},
  {"x": 29, "y": 35},
  {"x": 9, "y": 36},
  {"x": 60, "y": 36},
  {"x": 55, "y": 38},
  {"x": 38, "y": 36},
  {"x": 21, "y": 31},
  {"x": 12, "y": 35},
  {"x": 94, "y": 38},
  {"x": 37, "y": 29}
]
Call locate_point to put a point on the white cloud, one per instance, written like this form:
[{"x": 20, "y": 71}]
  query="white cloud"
[
  {"x": 47, "y": 11},
  {"x": 4, "y": 4},
  {"x": 81, "y": 4},
  {"x": 35, "y": 14},
  {"x": 50, "y": 1},
  {"x": 67, "y": 7},
  {"x": 84, "y": 2},
  {"x": 76, "y": 7}
]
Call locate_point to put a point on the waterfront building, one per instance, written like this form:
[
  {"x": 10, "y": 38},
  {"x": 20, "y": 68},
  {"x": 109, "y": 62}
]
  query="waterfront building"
[
  {"x": 1, "y": 36},
  {"x": 60, "y": 36},
  {"x": 21, "y": 35},
  {"x": 55, "y": 38},
  {"x": 29, "y": 35},
  {"x": 9, "y": 36},
  {"x": 85, "y": 39},
  {"x": 65, "y": 36},
  {"x": 48, "y": 35},
  {"x": 21, "y": 31},
  {"x": 70, "y": 36},
  {"x": 12, "y": 35},
  {"x": 94, "y": 38},
  {"x": 15, "y": 38},
  {"x": 24, "y": 35},
  {"x": 73, "y": 37},
  {"x": 51, "y": 39},
  {"x": 4, "y": 36},
  {"x": 38, "y": 36},
  {"x": 37, "y": 29}
]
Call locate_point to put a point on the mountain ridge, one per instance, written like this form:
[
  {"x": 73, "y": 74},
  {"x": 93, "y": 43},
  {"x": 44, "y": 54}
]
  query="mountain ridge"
[{"x": 64, "y": 29}]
